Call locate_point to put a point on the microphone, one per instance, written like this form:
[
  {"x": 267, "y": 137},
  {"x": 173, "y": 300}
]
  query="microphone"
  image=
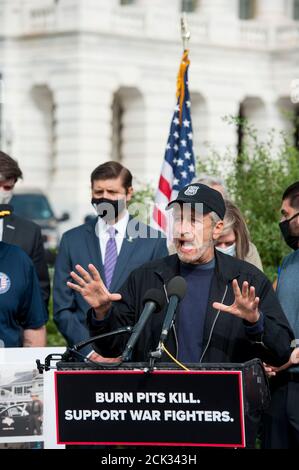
[
  {"x": 176, "y": 290},
  {"x": 153, "y": 301}
]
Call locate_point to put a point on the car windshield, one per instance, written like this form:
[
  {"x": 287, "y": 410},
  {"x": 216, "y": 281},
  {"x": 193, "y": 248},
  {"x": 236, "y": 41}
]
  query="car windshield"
[{"x": 32, "y": 206}]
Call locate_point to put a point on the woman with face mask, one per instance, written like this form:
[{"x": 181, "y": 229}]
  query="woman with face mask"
[{"x": 235, "y": 239}]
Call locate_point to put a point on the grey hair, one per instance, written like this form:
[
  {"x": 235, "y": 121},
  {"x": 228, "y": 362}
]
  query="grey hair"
[
  {"x": 212, "y": 181},
  {"x": 215, "y": 218}
]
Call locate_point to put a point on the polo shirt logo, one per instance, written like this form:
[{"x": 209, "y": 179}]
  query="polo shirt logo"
[
  {"x": 191, "y": 190},
  {"x": 4, "y": 283}
]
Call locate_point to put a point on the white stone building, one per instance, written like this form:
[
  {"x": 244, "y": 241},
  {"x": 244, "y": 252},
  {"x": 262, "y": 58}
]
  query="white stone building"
[{"x": 84, "y": 81}]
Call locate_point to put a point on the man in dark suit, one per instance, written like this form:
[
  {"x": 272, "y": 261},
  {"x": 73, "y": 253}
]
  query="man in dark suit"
[
  {"x": 113, "y": 242},
  {"x": 18, "y": 231}
]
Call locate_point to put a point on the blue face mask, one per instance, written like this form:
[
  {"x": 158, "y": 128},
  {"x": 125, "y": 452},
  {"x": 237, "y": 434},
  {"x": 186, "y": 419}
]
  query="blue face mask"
[{"x": 229, "y": 250}]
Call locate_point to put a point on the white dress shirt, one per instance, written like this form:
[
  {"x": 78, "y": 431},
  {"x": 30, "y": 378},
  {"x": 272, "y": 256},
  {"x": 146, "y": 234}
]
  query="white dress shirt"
[
  {"x": 103, "y": 234},
  {"x": 1, "y": 229}
]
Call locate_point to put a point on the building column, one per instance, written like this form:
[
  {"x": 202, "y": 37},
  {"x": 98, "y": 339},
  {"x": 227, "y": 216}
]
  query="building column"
[
  {"x": 83, "y": 133},
  {"x": 221, "y": 135},
  {"x": 159, "y": 103},
  {"x": 271, "y": 10},
  {"x": 219, "y": 8},
  {"x": 11, "y": 96}
]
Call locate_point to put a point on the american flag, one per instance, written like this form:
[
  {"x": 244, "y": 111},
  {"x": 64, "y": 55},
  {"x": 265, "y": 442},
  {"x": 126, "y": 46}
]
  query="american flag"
[{"x": 178, "y": 167}]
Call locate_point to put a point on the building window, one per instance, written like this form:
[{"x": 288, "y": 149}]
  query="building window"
[
  {"x": 246, "y": 9},
  {"x": 188, "y": 6},
  {"x": 45, "y": 112},
  {"x": 296, "y": 10},
  {"x": 18, "y": 391},
  {"x": 240, "y": 133},
  {"x": 117, "y": 127}
]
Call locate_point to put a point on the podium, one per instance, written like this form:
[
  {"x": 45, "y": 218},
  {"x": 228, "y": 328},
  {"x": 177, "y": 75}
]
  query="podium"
[{"x": 210, "y": 405}]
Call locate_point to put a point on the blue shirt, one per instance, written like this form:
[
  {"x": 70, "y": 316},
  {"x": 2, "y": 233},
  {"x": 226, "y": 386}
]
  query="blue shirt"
[
  {"x": 193, "y": 307},
  {"x": 21, "y": 303}
]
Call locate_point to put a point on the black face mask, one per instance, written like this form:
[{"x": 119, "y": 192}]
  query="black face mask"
[
  {"x": 108, "y": 209},
  {"x": 291, "y": 240}
]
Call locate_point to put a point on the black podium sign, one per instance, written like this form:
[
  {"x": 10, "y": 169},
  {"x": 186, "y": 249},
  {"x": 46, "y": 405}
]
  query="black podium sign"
[{"x": 164, "y": 407}]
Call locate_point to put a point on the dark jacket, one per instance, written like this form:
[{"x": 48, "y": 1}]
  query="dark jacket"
[
  {"x": 230, "y": 340},
  {"x": 27, "y": 235}
]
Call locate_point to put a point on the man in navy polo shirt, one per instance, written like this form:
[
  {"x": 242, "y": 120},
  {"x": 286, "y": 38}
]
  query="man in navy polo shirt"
[{"x": 23, "y": 313}]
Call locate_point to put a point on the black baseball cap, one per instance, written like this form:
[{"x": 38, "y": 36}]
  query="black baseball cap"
[{"x": 197, "y": 193}]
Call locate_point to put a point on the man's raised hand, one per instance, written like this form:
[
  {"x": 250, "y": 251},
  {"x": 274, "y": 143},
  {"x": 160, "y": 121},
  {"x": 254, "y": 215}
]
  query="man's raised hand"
[
  {"x": 93, "y": 290},
  {"x": 245, "y": 305}
]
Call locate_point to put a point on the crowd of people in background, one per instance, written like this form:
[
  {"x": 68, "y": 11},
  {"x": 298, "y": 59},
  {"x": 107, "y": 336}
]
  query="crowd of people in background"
[{"x": 102, "y": 272}]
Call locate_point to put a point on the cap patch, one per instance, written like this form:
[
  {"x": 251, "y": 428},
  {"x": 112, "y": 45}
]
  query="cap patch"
[{"x": 191, "y": 190}]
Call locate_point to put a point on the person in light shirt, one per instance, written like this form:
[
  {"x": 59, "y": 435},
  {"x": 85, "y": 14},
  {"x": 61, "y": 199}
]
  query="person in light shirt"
[{"x": 235, "y": 239}]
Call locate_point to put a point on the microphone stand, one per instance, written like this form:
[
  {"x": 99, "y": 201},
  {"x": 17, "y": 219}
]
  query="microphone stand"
[
  {"x": 70, "y": 352},
  {"x": 167, "y": 325},
  {"x": 154, "y": 356},
  {"x": 124, "y": 329}
]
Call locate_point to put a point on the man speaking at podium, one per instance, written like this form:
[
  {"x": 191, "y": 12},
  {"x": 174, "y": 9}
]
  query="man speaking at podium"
[{"x": 230, "y": 312}]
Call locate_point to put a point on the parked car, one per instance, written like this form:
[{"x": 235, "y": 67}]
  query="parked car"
[
  {"x": 14, "y": 420},
  {"x": 33, "y": 204}
]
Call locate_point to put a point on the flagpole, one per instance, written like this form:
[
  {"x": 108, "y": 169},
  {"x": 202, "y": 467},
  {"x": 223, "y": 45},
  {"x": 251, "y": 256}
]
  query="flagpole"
[
  {"x": 185, "y": 31},
  {"x": 178, "y": 167}
]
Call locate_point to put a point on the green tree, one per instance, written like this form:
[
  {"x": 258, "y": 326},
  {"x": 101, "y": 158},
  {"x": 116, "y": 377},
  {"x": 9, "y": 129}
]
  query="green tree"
[
  {"x": 141, "y": 204},
  {"x": 258, "y": 177},
  {"x": 54, "y": 338}
]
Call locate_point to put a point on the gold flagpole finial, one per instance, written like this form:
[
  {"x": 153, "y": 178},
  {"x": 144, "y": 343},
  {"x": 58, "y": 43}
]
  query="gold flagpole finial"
[{"x": 185, "y": 32}]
